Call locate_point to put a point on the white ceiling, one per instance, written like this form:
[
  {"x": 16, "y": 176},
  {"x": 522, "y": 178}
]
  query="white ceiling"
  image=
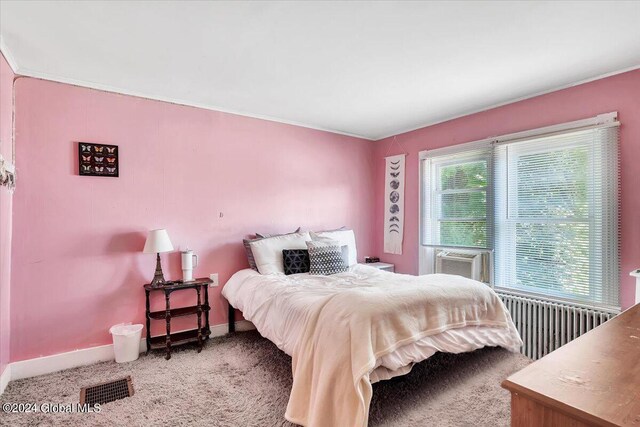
[{"x": 370, "y": 69}]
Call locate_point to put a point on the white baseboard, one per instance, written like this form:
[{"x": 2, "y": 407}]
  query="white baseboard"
[
  {"x": 5, "y": 377},
  {"x": 87, "y": 356},
  {"x": 57, "y": 362}
]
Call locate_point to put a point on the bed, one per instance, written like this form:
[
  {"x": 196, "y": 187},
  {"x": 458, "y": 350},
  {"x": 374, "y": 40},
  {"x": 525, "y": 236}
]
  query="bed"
[{"x": 349, "y": 330}]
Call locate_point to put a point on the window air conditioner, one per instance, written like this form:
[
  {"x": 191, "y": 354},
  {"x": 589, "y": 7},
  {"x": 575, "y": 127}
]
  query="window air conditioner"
[{"x": 471, "y": 264}]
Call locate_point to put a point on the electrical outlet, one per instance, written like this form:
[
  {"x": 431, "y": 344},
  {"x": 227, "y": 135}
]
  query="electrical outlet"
[{"x": 214, "y": 278}]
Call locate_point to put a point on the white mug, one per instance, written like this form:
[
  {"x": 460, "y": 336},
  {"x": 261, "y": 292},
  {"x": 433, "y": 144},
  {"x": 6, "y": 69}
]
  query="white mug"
[
  {"x": 188, "y": 264},
  {"x": 189, "y": 260}
]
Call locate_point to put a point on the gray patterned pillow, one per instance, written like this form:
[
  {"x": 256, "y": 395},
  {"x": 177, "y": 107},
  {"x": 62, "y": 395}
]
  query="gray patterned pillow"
[{"x": 325, "y": 258}]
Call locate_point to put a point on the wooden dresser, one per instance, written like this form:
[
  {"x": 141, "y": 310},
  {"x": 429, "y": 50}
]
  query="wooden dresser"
[{"x": 593, "y": 380}]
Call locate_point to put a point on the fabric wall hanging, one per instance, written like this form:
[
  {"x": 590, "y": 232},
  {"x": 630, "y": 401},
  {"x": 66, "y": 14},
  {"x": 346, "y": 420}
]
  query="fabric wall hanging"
[{"x": 394, "y": 204}]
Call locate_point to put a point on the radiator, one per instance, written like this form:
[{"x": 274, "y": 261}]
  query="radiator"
[{"x": 545, "y": 326}]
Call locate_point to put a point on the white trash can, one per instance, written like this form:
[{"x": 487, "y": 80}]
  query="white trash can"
[{"x": 126, "y": 341}]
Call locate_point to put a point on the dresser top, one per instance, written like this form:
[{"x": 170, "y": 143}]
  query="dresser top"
[{"x": 595, "y": 378}]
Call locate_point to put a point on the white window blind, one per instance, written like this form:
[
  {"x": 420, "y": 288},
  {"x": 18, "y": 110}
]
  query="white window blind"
[
  {"x": 458, "y": 199},
  {"x": 557, "y": 216},
  {"x": 544, "y": 201}
]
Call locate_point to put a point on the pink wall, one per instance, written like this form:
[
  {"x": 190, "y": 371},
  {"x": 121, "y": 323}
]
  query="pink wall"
[
  {"x": 77, "y": 265},
  {"x": 6, "y": 134},
  {"x": 618, "y": 93}
]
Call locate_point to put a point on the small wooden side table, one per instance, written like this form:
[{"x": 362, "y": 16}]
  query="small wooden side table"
[{"x": 199, "y": 335}]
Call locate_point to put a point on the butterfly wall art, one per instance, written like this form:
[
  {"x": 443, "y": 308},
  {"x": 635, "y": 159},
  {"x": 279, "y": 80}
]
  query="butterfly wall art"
[{"x": 98, "y": 160}]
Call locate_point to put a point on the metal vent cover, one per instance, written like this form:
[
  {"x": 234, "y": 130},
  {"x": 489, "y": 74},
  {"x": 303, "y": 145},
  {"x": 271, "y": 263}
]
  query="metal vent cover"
[{"x": 107, "y": 392}]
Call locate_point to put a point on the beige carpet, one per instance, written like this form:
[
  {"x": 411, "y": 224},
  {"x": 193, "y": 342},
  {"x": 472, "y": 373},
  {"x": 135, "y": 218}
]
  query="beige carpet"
[{"x": 244, "y": 380}]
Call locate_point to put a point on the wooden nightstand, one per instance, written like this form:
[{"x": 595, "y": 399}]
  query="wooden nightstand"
[
  {"x": 382, "y": 266},
  {"x": 199, "y": 335}
]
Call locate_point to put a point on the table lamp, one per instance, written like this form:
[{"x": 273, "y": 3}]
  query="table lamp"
[{"x": 157, "y": 242}]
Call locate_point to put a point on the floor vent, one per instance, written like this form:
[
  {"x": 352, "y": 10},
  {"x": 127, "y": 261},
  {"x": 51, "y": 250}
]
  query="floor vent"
[{"x": 106, "y": 392}]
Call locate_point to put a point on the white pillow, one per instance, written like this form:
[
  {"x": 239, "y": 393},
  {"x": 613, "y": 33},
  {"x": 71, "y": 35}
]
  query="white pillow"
[
  {"x": 268, "y": 252},
  {"x": 345, "y": 237}
]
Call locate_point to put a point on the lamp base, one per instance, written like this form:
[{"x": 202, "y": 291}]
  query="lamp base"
[{"x": 158, "y": 278}]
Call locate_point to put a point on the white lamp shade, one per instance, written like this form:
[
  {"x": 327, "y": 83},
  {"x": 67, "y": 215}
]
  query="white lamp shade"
[{"x": 157, "y": 241}]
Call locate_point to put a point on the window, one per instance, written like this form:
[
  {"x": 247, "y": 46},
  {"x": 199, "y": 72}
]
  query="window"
[
  {"x": 462, "y": 194},
  {"x": 546, "y": 205},
  {"x": 458, "y": 208}
]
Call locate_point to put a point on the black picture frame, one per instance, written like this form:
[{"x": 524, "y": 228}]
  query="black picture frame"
[{"x": 98, "y": 160}]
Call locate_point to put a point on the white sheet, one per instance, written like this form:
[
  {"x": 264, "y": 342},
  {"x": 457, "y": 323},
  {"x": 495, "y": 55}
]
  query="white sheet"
[{"x": 281, "y": 319}]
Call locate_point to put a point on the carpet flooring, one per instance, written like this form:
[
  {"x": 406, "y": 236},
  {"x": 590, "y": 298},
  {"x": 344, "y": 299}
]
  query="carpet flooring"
[{"x": 244, "y": 380}]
